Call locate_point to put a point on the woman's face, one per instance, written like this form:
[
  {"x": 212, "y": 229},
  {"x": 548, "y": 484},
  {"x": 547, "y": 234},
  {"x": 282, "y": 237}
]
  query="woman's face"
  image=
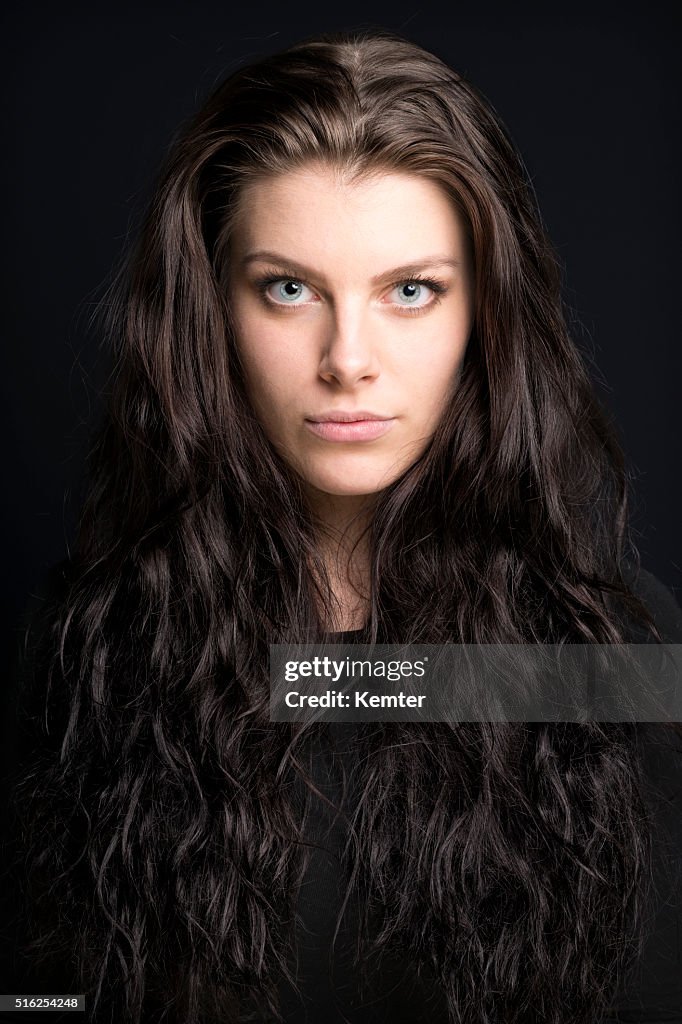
[{"x": 351, "y": 302}]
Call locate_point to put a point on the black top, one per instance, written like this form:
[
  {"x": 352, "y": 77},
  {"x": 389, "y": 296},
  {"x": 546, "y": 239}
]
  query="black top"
[
  {"x": 653, "y": 993},
  {"x": 396, "y": 995}
]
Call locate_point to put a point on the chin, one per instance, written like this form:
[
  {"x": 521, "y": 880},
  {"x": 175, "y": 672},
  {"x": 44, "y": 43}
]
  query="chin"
[
  {"x": 350, "y": 481},
  {"x": 348, "y": 490}
]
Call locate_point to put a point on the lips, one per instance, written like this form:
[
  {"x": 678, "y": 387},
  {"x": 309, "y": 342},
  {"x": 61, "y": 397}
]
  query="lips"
[
  {"x": 343, "y": 416},
  {"x": 351, "y": 429}
]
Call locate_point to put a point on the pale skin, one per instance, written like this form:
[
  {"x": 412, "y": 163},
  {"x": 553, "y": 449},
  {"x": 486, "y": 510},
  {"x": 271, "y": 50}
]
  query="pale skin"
[{"x": 331, "y": 315}]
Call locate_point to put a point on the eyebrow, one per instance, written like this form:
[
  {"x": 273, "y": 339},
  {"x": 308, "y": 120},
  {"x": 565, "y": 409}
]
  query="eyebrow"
[{"x": 400, "y": 273}]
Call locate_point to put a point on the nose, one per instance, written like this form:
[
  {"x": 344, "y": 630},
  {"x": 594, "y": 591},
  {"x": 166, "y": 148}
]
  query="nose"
[{"x": 349, "y": 348}]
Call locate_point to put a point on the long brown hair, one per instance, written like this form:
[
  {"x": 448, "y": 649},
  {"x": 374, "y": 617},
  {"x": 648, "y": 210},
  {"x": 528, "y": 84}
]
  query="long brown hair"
[{"x": 510, "y": 860}]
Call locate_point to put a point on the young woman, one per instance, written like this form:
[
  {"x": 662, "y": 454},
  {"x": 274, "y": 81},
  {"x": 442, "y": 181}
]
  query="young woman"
[{"x": 345, "y": 402}]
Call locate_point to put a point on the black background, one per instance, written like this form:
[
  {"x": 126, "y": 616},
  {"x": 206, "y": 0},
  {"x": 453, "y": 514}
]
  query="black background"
[{"x": 93, "y": 98}]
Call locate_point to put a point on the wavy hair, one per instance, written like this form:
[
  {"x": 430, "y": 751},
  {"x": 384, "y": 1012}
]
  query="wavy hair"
[{"x": 159, "y": 802}]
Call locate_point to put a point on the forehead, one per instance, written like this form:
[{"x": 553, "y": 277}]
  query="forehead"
[{"x": 313, "y": 213}]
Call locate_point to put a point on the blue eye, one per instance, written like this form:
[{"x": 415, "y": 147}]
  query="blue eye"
[
  {"x": 415, "y": 295},
  {"x": 287, "y": 290},
  {"x": 410, "y": 293}
]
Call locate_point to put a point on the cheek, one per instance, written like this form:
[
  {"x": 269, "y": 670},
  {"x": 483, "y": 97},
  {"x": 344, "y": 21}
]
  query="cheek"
[
  {"x": 433, "y": 375},
  {"x": 431, "y": 397},
  {"x": 272, "y": 374}
]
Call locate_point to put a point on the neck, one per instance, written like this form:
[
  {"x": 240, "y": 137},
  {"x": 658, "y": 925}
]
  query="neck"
[{"x": 342, "y": 522}]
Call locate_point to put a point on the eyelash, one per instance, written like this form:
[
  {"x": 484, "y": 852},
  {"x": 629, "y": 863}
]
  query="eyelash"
[{"x": 439, "y": 288}]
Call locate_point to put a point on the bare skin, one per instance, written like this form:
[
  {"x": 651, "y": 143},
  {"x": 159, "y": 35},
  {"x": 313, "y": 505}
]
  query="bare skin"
[{"x": 349, "y": 297}]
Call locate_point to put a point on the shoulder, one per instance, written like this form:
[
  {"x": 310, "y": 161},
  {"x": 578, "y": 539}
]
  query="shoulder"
[
  {"x": 660, "y": 601},
  {"x": 653, "y": 990},
  {"x": 661, "y": 742}
]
